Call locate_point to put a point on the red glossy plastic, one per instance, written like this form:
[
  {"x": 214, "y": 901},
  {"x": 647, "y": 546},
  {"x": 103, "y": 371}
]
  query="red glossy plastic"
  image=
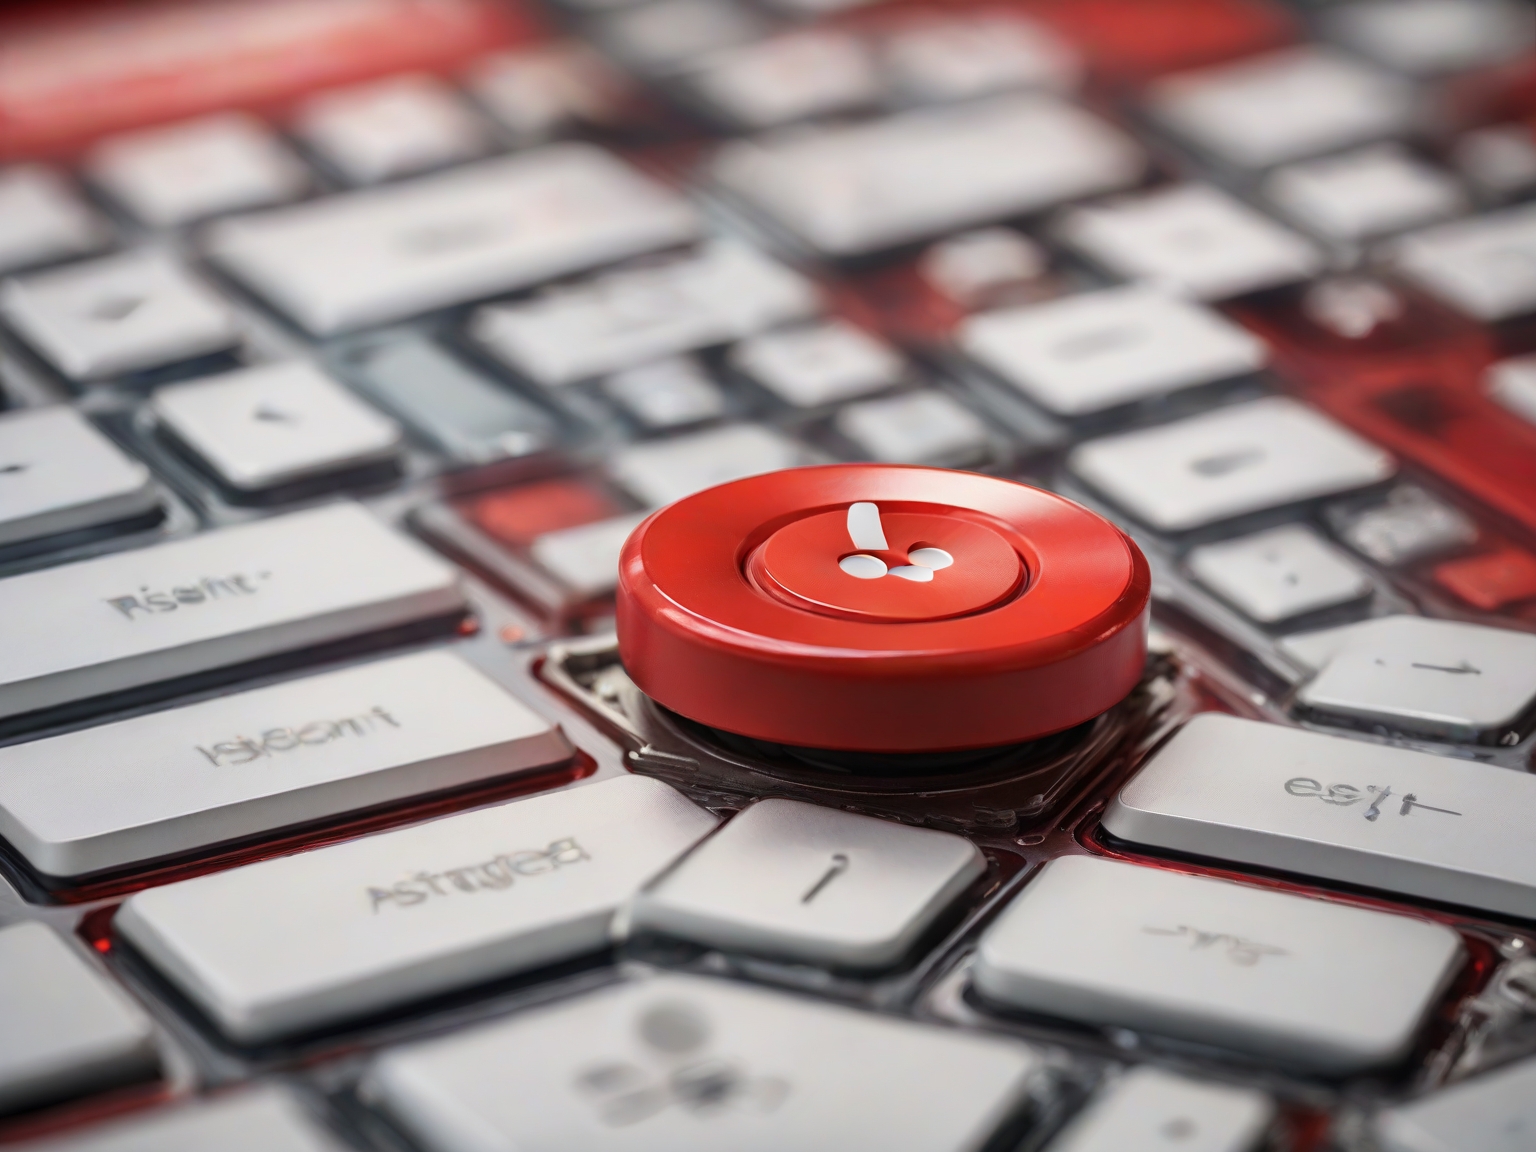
[{"x": 733, "y": 611}]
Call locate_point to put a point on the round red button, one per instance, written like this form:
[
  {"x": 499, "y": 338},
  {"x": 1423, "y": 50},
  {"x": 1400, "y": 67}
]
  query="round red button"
[{"x": 882, "y": 608}]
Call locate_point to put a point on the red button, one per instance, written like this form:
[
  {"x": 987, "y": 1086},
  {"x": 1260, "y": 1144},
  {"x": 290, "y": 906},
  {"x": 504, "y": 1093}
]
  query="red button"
[{"x": 882, "y": 608}]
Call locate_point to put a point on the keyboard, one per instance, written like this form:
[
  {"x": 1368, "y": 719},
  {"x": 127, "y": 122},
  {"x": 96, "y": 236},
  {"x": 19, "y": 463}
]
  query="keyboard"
[{"x": 768, "y": 575}]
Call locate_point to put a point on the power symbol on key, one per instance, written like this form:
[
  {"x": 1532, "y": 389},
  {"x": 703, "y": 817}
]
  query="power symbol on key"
[{"x": 868, "y": 535}]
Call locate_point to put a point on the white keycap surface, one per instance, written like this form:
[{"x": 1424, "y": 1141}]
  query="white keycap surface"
[
  {"x": 537, "y": 91},
  {"x": 680, "y": 1064},
  {"x": 1485, "y": 267},
  {"x": 1493, "y": 1112},
  {"x": 934, "y": 57},
  {"x": 407, "y": 914},
  {"x": 391, "y": 127},
  {"x": 667, "y": 393},
  {"x": 1431, "y": 37},
  {"x": 1274, "y": 575},
  {"x": 41, "y": 218},
  {"x": 923, "y": 427},
  {"x": 1364, "y": 195},
  {"x": 788, "y": 77},
  {"x": 1122, "y": 945},
  {"x": 1408, "y": 525},
  {"x": 1512, "y": 383},
  {"x": 1426, "y": 827},
  {"x": 586, "y": 558},
  {"x": 255, "y": 1120},
  {"x": 1150, "y": 1110},
  {"x": 662, "y": 471},
  {"x": 813, "y": 366}
]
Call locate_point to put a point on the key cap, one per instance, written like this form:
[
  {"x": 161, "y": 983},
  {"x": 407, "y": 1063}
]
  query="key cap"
[
  {"x": 41, "y": 219},
  {"x": 815, "y": 366},
  {"x": 685, "y": 1064},
  {"x": 1490, "y": 581},
  {"x": 241, "y": 765},
  {"x": 370, "y": 257},
  {"x": 586, "y": 558},
  {"x": 1485, "y": 267},
  {"x": 1148, "y": 1109},
  {"x": 64, "y": 1030},
  {"x": 226, "y": 597},
  {"x": 1283, "y": 106},
  {"x": 792, "y": 76},
  {"x": 116, "y": 315},
  {"x": 535, "y": 93},
  {"x": 1192, "y": 238},
  {"x": 1115, "y": 944},
  {"x": 390, "y": 127},
  {"x": 1364, "y": 195},
  {"x": 856, "y": 189},
  {"x": 974, "y": 267},
  {"x": 1279, "y": 574},
  {"x": 625, "y": 319},
  {"x": 666, "y": 470},
  {"x": 1432, "y": 37},
  {"x": 184, "y": 172},
  {"x": 924, "y": 427},
  {"x": 666, "y": 394},
  {"x": 1439, "y": 678},
  {"x": 1426, "y": 827},
  {"x": 1499, "y": 161},
  {"x": 263, "y": 427},
  {"x": 1409, "y": 525},
  {"x": 1233, "y": 461},
  {"x": 417, "y": 912},
  {"x": 934, "y": 58},
  {"x": 662, "y": 38},
  {"x": 1494, "y": 1112},
  {"x": 793, "y": 880},
  {"x": 59, "y": 474},
  {"x": 1083, "y": 354},
  {"x": 259, "y": 1119},
  {"x": 1512, "y": 383}
]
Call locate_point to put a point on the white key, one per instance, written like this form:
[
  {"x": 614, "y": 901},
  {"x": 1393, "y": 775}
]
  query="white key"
[
  {"x": 861, "y": 188},
  {"x": 792, "y": 76},
  {"x": 380, "y": 255},
  {"x": 1275, "y": 575},
  {"x": 1485, "y": 267},
  {"x": 627, "y": 318},
  {"x": 225, "y": 597},
  {"x": 685, "y": 1064},
  {"x": 1230, "y": 462},
  {"x": 391, "y": 127},
  {"x": 1431, "y": 37},
  {"x": 412, "y": 913},
  {"x": 1512, "y": 383},
  {"x": 925, "y": 427},
  {"x": 1409, "y": 525},
  {"x": 1191, "y": 238},
  {"x": 1150, "y": 1110},
  {"x": 1121, "y": 945},
  {"x": 264, "y": 1119},
  {"x": 666, "y": 470},
  {"x": 1494, "y": 1112},
  {"x": 1365, "y": 194},
  {"x": 811, "y": 884},
  {"x": 248, "y": 763},
  {"x": 42, "y": 219},
  {"x": 183, "y": 172},
  {"x": 1082, "y": 354},
  {"x": 825, "y": 364},
  {"x": 535, "y": 93},
  {"x": 586, "y": 558},
  {"x": 1436, "y": 677},
  {"x": 1426, "y": 827},
  {"x": 971, "y": 266},
  {"x": 935, "y": 58},
  {"x": 64, "y": 1030},
  {"x": 59, "y": 474},
  {"x": 666, "y": 394},
  {"x": 275, "y": 424},
  {"x": 118, "y": 314},
  {"x": 664, "y": 36},
  {"x": 1283, "y": 106},
  {"x": 1500, "y": 161}
]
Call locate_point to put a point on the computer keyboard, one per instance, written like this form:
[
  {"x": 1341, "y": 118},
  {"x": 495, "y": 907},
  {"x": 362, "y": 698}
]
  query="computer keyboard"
[{"x": 517, "y": 630}]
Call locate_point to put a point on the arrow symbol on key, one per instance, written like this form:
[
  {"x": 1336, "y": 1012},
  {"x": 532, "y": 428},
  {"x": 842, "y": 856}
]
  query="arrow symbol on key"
[{"x": 1462, "y": 669}]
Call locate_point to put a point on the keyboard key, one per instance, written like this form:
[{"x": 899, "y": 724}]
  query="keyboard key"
[
  {"x": 820, "y": 365},
  {"x": 935, "y": 58},
  {"x": 384, "y": 254},
  {"x": 1432, "y": 37},
  {"x": 59, "y": 474},
  {"x": 1149, "y": 1110},
  {"x": 686, "y": 1064},
  {"x": 277, "y": 424},
  {"x": 262, "y": 1119},
  {"x": 1434, "y": 677},
  {"x": 664, "y": 37},
  {"x": 1512, "y": 384},
  {"x": 42, "y": 219},
  {"x": 1499, "y": 161},
  {"x": 536, "y": 93},
  {"x": 408, "y": 914},
  {"x": 924, "y": 427},
  {"x": 245, "y": 764},
  {"x": 1083, "y": 354},
  {"x": 856, "y": 189},
  {"x": 226, "y": 597},
  {"x": 666, "y": 394},
  {"x": 1495, "y": 1112},
  {"x": 667, "y": 470},
  {"x": 1275, "y": 575},
  {"x": 1409, "y": 525},
  {"x": 1193, "y": 239},
  {"x": 117, "y": 315},
  {"x": 586, "y": 558},
  {"x": 1491, "y": 581},
  {"x": 64, "y": 1030},
  {"x": 184, "y": 172},
  {"x": 975, "y": 267},
  {"x": 810, "y": 884},
  {"x": 628, "y": 318},
  {"x": 1484, "y": 267},
  {"x": 1283, "y": 106},
  {"x": 390, "y": 128},
  {"x": 788, "y": 77},
  {"x": 1218, "y": 963},
  {"x": 1426, "y": 827},
  {"x": 1364, "y": 195},
  {"x": 1233, "y": 461}
]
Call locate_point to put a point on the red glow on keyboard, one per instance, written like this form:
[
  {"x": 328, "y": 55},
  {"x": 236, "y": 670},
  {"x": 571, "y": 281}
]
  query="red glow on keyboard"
[{"x": 517, "y": 516}]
